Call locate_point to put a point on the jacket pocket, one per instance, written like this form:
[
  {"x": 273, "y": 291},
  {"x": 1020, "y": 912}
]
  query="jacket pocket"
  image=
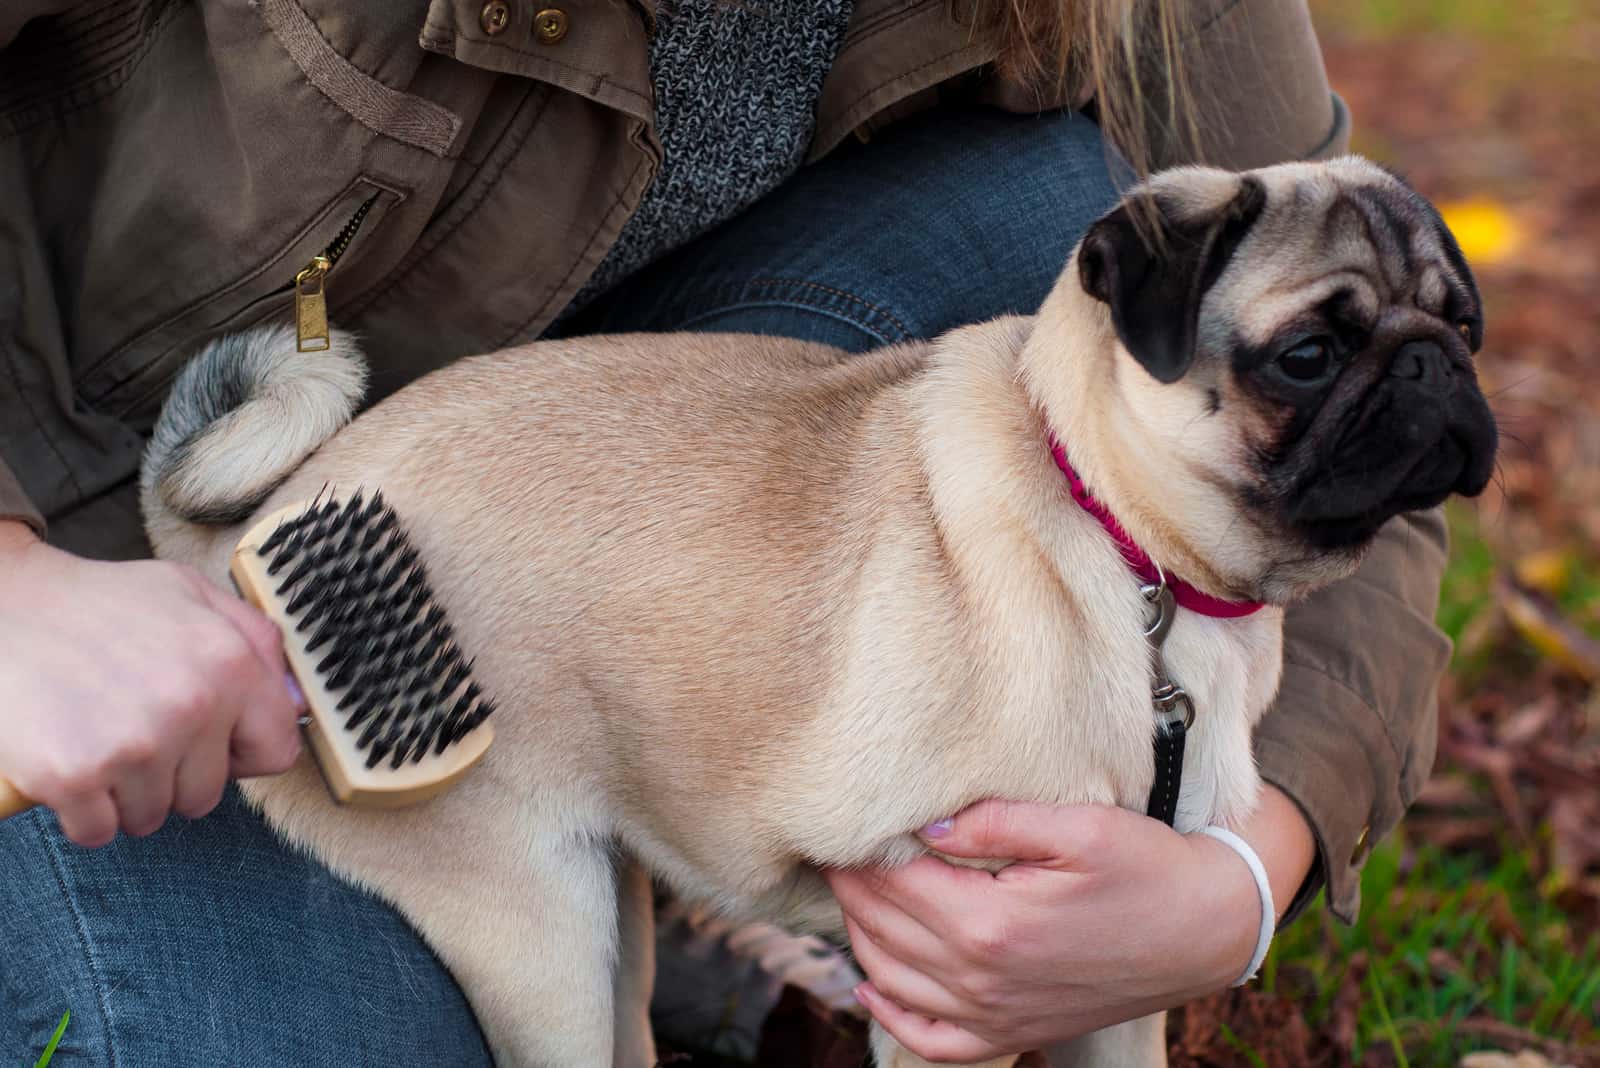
[
  {"x": 131, "y": 381},
  {"x": 401, "y": 116}
]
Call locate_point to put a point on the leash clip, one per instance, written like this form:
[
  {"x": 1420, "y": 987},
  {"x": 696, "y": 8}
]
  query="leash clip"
[{"x": 1171, "y": 701}]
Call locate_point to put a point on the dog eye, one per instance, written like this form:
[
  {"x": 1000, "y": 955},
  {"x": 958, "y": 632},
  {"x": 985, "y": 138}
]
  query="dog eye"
[
  {"x": 1464, "y": 328},
  {"x": 1307, "y": 361}
]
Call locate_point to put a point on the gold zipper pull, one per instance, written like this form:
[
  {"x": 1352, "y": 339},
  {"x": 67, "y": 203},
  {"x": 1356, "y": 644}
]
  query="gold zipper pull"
[{"x": 311, "y": 306}]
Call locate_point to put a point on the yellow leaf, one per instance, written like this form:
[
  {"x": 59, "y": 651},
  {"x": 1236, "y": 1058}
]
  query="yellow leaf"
[
  {"x": 1542, "y": 626},
  {"x": 1547, "y": 570},
  {"x": 1485, "y": 230}
]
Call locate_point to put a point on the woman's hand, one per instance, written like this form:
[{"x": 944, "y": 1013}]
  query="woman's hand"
[
  {"x": 1107, "y": 916},
  {"x": 132, "y": 690}
]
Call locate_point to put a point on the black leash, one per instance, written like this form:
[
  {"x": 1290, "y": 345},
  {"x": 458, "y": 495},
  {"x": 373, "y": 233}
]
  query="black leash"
[{"x": 1173, "y": 707}]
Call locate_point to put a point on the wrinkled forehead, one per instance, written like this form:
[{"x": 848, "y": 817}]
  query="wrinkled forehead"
[{"x": 1346, "y": 229}]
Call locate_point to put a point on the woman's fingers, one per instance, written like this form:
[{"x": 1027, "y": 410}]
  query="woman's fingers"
[
  {"x": 1064, "y": 837},
  {"x": 930, "y": 891},
  {"x": 130, "y": 686},
  {"x": 266, "y": 737},
  {"x": 932, "y": 1040},
  {"x": 869, "y": 895},
  {"x": 143, "y": 796},
  {"x": 902, "y": 983},
  {"x": 89, "y": 820},
  {"x": 202, "y": 775},
  {"x": 264, "y": 637}
]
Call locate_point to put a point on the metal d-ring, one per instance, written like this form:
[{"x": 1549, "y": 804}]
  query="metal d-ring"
[
  {"x": 1167, "y": 696},
  {"x": 1165, "y": 603},
  {"x": 1171, "y": 697}
]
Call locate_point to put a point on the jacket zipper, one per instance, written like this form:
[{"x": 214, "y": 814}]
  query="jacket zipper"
[{"x": 310, "y": 298}]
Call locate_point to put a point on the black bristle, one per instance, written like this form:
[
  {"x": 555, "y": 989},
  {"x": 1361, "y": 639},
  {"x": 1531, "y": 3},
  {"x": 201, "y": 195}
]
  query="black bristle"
[
  {"x": 287, "y": 551},
  {"x": 378, "y": 752},
  {"x": 303, "y": 598},
  {"x": 345, "y": 674},
  {"x": 373, "y": 729},
  {"x": 357, "y": 589},
  {"x": 279, "y": 533},
  {"x": 476, "y": 719},
  {"x": 363, "y": 707}
]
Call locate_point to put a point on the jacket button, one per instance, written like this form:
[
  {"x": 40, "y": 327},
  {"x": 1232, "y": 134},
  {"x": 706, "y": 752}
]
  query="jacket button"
[
  {"x": 495, "y": 17},
  {"x": 550, "y": 25},
  {"x": 1359, "y": 854}
]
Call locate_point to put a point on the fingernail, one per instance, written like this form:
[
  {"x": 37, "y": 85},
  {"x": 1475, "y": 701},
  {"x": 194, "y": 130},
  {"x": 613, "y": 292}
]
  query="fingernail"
[
  {"x": 855, "y": 992},
  {"x": 295, "y": 693},
  {"x": 938, "y": 830}
]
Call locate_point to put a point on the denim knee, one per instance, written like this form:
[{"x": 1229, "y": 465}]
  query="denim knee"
[
  {"x": 209, "y": 943},
  {"x": 947, "y": 218}
]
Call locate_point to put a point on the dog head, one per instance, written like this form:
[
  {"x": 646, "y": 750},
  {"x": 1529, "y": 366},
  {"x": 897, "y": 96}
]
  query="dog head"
[{"x": 1291, "y": 365}]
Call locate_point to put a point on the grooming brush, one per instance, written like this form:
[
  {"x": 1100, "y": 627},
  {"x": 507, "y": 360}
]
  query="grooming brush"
[{"x": 394, "y": 716}]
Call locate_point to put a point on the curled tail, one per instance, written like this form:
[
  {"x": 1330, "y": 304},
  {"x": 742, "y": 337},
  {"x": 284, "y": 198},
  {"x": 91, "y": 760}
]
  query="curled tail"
[{"x": 242, "y": 415}]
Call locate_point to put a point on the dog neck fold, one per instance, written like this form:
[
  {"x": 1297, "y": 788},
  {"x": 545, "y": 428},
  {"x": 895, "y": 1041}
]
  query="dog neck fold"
[{"x": 1139, "y": 560}]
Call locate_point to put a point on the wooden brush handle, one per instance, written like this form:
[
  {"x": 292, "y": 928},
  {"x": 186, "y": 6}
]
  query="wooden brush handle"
[{"x": 13, "y": 800}]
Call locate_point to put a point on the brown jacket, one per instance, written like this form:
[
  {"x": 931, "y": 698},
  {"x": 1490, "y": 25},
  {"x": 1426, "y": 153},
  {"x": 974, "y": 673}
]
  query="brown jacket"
[{"x": 166, "y": 168}]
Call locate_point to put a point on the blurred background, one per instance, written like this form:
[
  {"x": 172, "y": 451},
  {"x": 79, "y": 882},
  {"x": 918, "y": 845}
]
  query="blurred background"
[{"x": 1479, "y": 939}]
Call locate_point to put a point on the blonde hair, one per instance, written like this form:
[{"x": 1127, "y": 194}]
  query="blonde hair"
[{"x": 1129, "y": 52}]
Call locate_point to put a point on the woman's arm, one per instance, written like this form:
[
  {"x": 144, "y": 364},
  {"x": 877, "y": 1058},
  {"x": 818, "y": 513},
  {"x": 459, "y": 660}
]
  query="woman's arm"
[
  {"x": 1083, "y": 933},
  {"x": 1351, "y": 735},
  {"x": 1254, "y": 71}
]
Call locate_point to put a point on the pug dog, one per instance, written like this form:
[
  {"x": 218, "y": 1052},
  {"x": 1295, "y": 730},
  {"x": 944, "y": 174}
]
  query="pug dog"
[{"x": 750, "y": 607}]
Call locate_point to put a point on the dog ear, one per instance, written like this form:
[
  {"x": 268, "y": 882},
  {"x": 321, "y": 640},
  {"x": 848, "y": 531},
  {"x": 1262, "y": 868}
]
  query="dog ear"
[
  {"x": 1154, "y": 287},
  {"x": 1466, "y": 306}
]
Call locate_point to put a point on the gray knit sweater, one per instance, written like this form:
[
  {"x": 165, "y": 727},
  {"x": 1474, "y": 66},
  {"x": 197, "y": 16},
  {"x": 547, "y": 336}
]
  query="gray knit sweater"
[{"x": 736, "y": 85}]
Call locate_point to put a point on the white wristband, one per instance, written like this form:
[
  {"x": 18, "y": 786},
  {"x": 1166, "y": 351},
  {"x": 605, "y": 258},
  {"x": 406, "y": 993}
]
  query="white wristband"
[{"x": 1269, "y": 915}]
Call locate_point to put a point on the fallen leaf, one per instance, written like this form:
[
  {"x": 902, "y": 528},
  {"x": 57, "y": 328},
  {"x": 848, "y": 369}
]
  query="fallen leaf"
[
  {"x": 1485, "y": 230},
  {"x": 1542, "y": 625},
  {"x": 1547, "y": 570}
]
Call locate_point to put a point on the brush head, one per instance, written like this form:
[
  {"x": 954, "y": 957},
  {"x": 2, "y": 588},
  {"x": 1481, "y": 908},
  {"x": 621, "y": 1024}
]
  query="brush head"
[{"x": 392, "y": 700}]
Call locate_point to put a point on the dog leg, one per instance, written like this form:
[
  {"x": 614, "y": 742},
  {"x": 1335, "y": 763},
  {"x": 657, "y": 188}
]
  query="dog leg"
[
  {"x": 636, "y": 966},
  {"x": 537, "y": 964},
  {"x": 526, "y": 924},
  {"x": 887, "y": 1053},
  {"x": 1138, "y": 1043}
]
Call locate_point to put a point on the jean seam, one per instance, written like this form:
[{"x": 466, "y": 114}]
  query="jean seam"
[
  {"x": 841, "y": 294},
  {"x": 816, "y": 309},
  {"x": 53, "y": 849}
]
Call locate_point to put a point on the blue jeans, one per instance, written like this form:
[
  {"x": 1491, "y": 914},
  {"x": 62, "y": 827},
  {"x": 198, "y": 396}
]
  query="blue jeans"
[{"x": 211, "y": 943}]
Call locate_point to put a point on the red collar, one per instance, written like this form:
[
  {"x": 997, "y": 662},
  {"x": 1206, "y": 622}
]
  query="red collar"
[{"x": 1137, "y": 558}]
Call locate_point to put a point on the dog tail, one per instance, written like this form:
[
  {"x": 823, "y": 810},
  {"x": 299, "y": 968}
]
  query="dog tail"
[{"x": 242, "y": 415}]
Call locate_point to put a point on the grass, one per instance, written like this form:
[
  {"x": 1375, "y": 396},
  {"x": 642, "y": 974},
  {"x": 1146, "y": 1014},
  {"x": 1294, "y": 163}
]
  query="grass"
[
  {"x": 1467, "y": 610},
  {"x": 55, "y": 1040},
  {"x": 1538, "y": 25},
  {"x": 1443, "y": 938},
  {"x": 1467, "y": 590}
]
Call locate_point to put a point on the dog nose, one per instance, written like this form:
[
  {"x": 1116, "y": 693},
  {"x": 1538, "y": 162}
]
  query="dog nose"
[{"x": 1422, "y": 361}]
